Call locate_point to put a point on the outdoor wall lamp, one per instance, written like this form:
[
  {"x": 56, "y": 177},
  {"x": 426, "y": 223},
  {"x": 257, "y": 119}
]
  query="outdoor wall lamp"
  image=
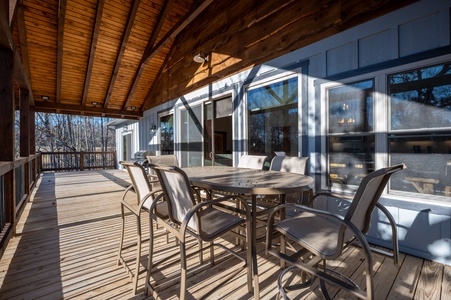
[
  {"x": 200, "y": 58},
  {"x": 153, "y": 127}
]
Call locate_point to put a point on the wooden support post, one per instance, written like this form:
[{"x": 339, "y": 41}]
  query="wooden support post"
[
  {"x": 25, "y": 135},
  {"x": 7, "y": 129}
]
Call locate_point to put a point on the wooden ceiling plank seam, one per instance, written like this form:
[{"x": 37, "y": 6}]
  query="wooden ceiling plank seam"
[
  {"x": 95, "y": 36},
  {"x": 153, "y": 37},
  {"x": 59, "y": 62},
  {"x": 120, "y": 55}
]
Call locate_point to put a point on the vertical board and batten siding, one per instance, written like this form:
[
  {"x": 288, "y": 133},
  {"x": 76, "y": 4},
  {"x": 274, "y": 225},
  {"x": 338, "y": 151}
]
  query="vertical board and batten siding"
[{"x": 401, "y": 37}]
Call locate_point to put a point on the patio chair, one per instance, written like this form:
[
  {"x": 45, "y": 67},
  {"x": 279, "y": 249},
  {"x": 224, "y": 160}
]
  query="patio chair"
[
  {"x": 253, "y": 161},
  {"x": 291, "y": 164},
  {"x": 202, "y": 220},
  {"x": 145, "y": 195},
  {"x": 167, "y": 159},
  {"x": 321, "y": 236}
]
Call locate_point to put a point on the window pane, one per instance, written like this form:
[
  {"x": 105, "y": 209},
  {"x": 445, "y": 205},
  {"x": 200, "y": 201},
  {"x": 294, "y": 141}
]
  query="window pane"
[
  {"x": 350, "y": 159},
  {"x": 421, "y": 98},
  {"x": 191, "y": 137},
  {"x": 273, "y": 118},
  {"x": 167, "y": 134},
  {"x": 351, "y": 108},
  {"x": 428, "y": 161}
]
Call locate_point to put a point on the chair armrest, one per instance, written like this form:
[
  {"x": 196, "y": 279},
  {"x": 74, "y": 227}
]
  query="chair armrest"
[
  {"x": 201, "y": 205},
  {"x": 340, "y": 219}
]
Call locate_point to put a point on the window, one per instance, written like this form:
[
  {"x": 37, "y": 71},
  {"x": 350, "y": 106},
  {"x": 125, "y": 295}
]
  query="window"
[
  {"x": 350, "y": 133},
  {"x": 273, "y": 118},
  {"x": 167, "y": 134},
  {"x": 420, "y": 129}
]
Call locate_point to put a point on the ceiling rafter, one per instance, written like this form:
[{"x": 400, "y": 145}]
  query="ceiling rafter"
[
  {"x": 23, "y": 38},
  {"x": 59, "y": 62},
  {"x": 160, "y": 71},
  {"x": 169, "y": 37},
  {"x": 120, "y": 54},
  {"x": 80, "y": 109},
  {"x": 153, "y": 37},
  {"x": 92, "y": 51}
]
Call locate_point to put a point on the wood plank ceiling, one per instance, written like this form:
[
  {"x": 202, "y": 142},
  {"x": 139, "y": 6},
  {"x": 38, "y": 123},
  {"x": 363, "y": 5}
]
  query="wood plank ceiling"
[{"x": 117, "y": 58}]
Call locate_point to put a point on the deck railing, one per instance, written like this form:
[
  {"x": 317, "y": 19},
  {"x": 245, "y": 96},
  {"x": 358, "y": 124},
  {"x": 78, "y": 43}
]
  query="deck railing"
[
  {"x": 17, "y": 180},
  {"x": 77, "y": 161}
]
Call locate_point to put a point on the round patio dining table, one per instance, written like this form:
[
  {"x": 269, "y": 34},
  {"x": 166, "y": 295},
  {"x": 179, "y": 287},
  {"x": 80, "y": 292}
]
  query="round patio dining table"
[{"x": 250, "y": 182}]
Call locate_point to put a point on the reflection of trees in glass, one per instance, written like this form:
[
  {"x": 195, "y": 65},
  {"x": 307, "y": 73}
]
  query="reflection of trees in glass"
[
  {"x": 273, "y": 122},
  {"x": 422, "y": 92},
  {"x": 167, "y": 135}
]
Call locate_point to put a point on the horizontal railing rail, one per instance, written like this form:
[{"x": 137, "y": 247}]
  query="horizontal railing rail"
[{"x": 77, "y": 161}]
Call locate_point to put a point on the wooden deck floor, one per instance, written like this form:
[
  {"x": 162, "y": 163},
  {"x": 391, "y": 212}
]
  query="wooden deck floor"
[{"x": 67, "y": 239}]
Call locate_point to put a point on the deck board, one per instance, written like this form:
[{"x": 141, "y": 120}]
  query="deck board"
[{"x": 67, "y": 240}]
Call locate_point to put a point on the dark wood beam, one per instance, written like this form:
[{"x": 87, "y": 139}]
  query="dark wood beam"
[
  {"x": 147, "y": 99},
  {"x": 120, "y": 54},
  {"x": 7, "y": 108},
  {"x": 24, "y": 123},
  {"x": 153, "y": 37},
  {"x": 41, "y": 106},
  {"x": 170, "y": 36},
  {"x": 92, "y": 51},
  {"x": 23, "y": 38},
  {"x": 59, "y": 58}
]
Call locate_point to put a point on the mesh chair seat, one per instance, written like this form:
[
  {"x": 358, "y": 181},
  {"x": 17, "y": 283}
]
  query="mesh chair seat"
[
  {"x": 218, "y": 222},
  {"x": 318, "y": 234},
  {"x": 324, "y": 236}
]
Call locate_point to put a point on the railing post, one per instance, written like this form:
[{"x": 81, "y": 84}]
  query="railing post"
[{"x": 82, "y": 161}]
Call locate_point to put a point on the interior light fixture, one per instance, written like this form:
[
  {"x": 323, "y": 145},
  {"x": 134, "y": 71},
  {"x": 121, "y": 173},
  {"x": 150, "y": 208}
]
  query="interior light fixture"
[
  {"x": 45, "y": 98},
  {"x": 95, "y": 104},
  {"x": 200, "y": 58}
]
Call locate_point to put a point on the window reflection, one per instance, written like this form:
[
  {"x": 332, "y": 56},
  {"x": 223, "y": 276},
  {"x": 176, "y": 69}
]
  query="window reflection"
[
  {"x": 167, "y": 134},
  {"x": 273, "y": 118},
  {"x": 420, "y": 111},
  {"x": 350, "y": 138}
]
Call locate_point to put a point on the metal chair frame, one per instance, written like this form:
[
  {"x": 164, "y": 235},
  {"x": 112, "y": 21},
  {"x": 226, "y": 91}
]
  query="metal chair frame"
[
  {"x": 188, "y": 218},
  {"x": 338, "y": 232}
]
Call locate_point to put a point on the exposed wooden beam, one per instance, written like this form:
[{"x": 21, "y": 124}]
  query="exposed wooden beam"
[
  {"x": 169, "y": 37},
  {"x": 120, "y": 54},
  {"x": 59, "y": 62},
  {"x": 23, "y": 38},
  {"x": 92, "y": 51},
  {"x": 13, "y": 4},
  {"x": 41, "y": 106},
  {"x": 146, "y": 101},
  {"x": 153, "y": 37}
]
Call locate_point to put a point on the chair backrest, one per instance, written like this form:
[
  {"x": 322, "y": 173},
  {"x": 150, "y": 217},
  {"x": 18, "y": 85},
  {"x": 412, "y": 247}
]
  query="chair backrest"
[
  {"x": 367, "y": 195},
  {"x": 252, "y": 161},
  {"x": 168, "y": 159},
  {"x": 291, "y": 164},
  {"x": 139, "y": 179},
  {"x": 177, "y": 192}
]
